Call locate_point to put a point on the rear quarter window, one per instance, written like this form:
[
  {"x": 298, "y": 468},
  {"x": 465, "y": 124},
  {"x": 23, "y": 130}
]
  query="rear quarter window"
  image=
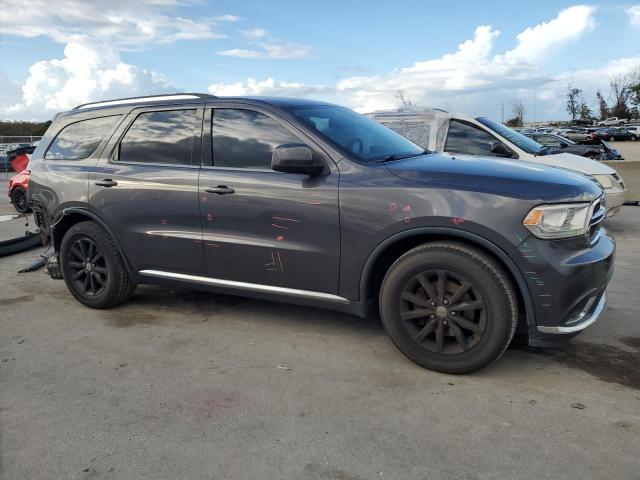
[{"x": 80, "y": 140}]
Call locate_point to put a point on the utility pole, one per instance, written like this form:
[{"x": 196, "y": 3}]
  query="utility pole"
[
  {"x": 502, "y": 113},
  {"x": 535, "y": 106}
]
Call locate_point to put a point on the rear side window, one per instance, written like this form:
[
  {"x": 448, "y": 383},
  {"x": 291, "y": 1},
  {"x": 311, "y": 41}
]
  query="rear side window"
[
  {"x": 159, "y": 137},
  {"x": 79, "y": 140},
  {"x": 246, "y": 139},
  {"x": 466, "y": 139}
]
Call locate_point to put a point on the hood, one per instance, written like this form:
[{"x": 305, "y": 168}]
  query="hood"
[
  {"x": 513, "y": 178},
  {"x": 570, "y": 161}
]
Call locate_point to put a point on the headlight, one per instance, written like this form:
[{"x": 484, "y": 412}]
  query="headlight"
[
  {"x": 607, "y": 182},
  {"x": 558, "y": 221}
]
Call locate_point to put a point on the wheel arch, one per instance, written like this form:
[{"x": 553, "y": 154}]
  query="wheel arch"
[
  {"x": 383, "y": 256},
  {"x": 73, "y": 215}
]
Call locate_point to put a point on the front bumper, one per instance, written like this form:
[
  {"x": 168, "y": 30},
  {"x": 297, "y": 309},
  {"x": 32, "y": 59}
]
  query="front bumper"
[
  {"x": 567, "y": 282},
  {"x": 613, "y": 201}
]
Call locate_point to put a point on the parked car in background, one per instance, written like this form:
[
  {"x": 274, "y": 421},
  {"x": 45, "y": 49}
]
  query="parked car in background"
[
  {"x": 459, "y": 135},
  {"x": 18, "y": 159},
  {"x": 634, "y": 130},
  {"x": 612, "y": 121},
  {"x": 18, "y": 185},
  {"x": 308, "y": 202},
  {"x": 596, "y": 150},
  {"x": 575, "y": 134},
  {"x": 614, "y": 134}
]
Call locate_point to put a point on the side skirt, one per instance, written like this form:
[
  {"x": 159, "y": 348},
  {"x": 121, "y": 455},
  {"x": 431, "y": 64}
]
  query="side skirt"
[{"x": 256, "y": 290}]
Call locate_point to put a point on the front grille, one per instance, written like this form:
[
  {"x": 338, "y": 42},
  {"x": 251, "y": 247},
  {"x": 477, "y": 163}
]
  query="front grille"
[{"x": 596, "y": 217}]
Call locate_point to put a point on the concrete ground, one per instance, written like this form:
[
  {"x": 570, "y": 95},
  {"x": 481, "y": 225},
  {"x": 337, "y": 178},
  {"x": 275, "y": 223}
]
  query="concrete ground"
[
  {"x": 628, "y": 150},
  {"x": 193, "y": 385}
]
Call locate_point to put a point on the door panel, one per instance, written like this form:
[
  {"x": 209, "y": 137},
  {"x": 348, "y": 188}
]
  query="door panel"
[
  {"x": 275, "y": 228},
  {"x": 153, "y": 207}
]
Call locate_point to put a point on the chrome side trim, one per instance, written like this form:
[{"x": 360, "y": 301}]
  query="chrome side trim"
[
  {"x": 577, "y": 328},
  {"x": 253, "y": 287}
]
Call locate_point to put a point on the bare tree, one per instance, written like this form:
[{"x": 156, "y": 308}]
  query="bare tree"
[
  {"x": 622, "y": 91},
  {"x": 603, "y": 108},
  {"x": 519, "y": 111},
  {"x": 404, "y": 101}
]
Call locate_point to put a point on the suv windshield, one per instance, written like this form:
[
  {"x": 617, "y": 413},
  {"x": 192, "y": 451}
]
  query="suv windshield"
[
  {"x": 356, "y": 135},
  {"x": 518, "y": 139}
]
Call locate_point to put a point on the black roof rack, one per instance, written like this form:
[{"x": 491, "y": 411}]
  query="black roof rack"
[{"x": 160, "y": 96}]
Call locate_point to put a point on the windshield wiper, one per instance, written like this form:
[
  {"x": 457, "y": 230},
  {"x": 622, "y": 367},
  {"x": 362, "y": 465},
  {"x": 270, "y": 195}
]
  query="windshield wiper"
[{"x": 400, "y": 156}]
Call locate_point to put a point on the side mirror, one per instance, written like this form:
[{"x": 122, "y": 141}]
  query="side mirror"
[
  {"x": 563, "y": 145},
  {"x": 500, "y": 149},
  {"x": 296, "y": 158}
]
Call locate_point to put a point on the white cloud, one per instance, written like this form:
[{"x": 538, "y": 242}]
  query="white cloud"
[
  {"x": 271, "y": 51},
  {"x": 254, "y": 33},
  {"x": 86, "y": 73},
  {"x": 634, "y": 15},
  {"x": 535, "y": 43},
  {"x": 267, "y": 87},
  {"x": 94, "y": 33},
  {"x": 118, "y": 22},
  {"x": 472, "y": 78}
]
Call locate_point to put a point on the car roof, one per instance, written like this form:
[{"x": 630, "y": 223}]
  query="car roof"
[{"x": 191, "y": 99}]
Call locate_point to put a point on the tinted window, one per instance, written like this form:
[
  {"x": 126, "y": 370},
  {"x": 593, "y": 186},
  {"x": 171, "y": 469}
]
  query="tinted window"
[
  {"x": 246, "y": 139},
  {"x": 159, "y": 137},
  {"x": 79, "y": 140},
  {"x": 464, "y": 138},
  {"x": 549, "y": 140},
  {"x": 357, "y": 135},
  {"x": 525, "y": 143}
]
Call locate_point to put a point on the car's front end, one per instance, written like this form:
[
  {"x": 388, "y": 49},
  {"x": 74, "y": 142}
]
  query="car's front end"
[{"x": 567, "y": 266}]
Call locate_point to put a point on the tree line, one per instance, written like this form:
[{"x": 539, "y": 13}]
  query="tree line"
[
  {"x": 623, "y": 99},
  {"x": 19, "y": 128}
]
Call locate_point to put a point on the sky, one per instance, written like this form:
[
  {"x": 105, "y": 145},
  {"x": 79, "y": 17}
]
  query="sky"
[{"x": 464, "y": 56}]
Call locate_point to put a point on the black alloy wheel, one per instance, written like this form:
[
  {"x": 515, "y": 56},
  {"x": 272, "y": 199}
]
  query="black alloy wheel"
[
  {"x": 93, "y": 267},
  {"x": 19, "y": 200},
  {"x": 88, "y": 266},
  {"x": 443, "y": 312}
]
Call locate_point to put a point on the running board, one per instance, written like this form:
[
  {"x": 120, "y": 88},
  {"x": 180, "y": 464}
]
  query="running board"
[{"x": 251, "y": 287}]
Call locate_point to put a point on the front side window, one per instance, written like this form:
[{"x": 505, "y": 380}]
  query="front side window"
[
  {"x": 355, "y": 134},
  {"x": 469, "y": 140},
  {"x": 79, "y": 140},
  {"x": 525, "y": 143},
  {"x": 159, "y": 137},
  {"x": 245, "y": 138},
  {"x": 549, "y": 140}
]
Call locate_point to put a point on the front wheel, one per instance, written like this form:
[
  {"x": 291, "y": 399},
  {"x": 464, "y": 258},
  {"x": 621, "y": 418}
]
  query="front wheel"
[
  {"x": 93, "y": 268},
  {"x": 448, "y": 307}
]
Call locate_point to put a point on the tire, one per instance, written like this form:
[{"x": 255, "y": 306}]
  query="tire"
[
  {"x": 470, "y": 338},
  {"x": 101, "y": 282},
  {"x": 19, "y": 200},
  {"x": 633, "y": 138}
]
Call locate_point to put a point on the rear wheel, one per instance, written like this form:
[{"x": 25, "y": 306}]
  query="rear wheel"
[
  {"x": 93, "y": 268},
  {"x": 19, "y": 200},
  {"x": 448, "y": 307}
]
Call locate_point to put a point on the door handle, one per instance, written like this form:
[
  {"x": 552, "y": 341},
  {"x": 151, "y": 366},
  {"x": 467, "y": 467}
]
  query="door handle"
[
  {"x": 220, "y": 190},
  {"x": 107, "y": 182}
]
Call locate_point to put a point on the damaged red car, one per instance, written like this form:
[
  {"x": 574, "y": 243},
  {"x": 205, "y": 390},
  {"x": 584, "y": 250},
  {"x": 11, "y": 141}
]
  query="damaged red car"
[{"x": 19, "y": 183}]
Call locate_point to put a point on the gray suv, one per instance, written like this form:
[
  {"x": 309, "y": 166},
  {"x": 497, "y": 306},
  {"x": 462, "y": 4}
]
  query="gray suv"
[{"x": 308, "y": 202}]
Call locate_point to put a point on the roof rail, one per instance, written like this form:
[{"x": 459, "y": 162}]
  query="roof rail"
[{"x": 123, "y": 101}]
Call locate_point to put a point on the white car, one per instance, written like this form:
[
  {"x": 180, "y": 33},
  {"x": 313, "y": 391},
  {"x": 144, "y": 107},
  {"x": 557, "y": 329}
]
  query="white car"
[
  {"x": 612, "y": 121},
  {"x": 459, "y": 134}
]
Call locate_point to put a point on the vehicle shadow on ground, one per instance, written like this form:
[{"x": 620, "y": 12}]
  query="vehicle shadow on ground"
[
  {"x": 157, "y": 305},
  {"x": 609, "y": 363},
  {"x": 153, "y": 304}
]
